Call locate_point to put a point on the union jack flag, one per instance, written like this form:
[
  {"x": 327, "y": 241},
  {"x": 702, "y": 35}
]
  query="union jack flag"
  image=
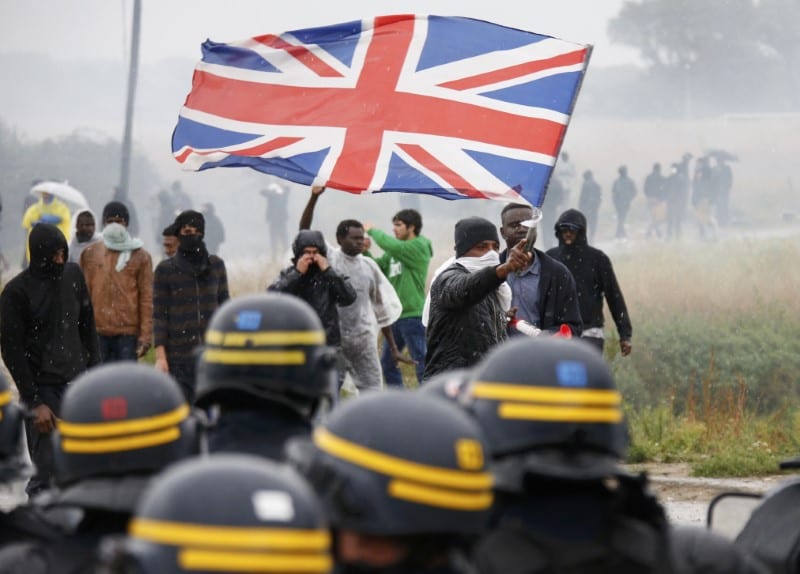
[{"x": 452, "y": 107}]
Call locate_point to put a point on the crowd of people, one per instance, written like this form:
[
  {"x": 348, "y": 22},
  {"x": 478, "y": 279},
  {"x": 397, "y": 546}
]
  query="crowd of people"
[
  {"x": 672, "y": 197},
  {"x": 238, "y": 452}
]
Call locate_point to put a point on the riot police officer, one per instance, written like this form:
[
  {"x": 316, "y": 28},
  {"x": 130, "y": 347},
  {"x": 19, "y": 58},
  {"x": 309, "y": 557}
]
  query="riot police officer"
[
  {"x": 23, "y": 522},
  {"x": 556, "y": 432},
  {"x": 225, "y": 513},
  {"x": 119, "y": 425},
  {"x": 404, "y": 482},
  {"x": 772, "y": 533},
  {"x": 267, "y": 370}
]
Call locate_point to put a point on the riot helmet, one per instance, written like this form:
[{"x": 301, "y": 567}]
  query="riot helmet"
[
  {"x": 227, "y": 512},
  {"x": 549, "y": 408},
  {"x": 13, "y": 462},
  {"x": 267, "y": 346},
  {"x": 399, "y": 464},
  {"x": 124, "y": 419},
  {"x": 447, "y": 384}
]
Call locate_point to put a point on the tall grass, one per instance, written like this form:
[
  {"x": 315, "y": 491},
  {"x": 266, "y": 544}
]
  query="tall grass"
[{"x": 714, "y": 377}]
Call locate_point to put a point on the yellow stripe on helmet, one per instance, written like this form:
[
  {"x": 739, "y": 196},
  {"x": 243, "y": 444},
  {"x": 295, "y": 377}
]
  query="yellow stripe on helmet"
[
  {"x": 5, "y": 398},
  {"x": 439, "y": 497},
  {"x": 239, "y": 537},
  {"x": 119, "y": 444},
  {"x": 546, "y": 413},
  {"x": 216, "y": 561},
  {"x": 523, "y": 393},
  {"x": 265, "y": 338},
  {"x": 256, "y": 357},
  {"x": 123, "y": 427},
  {"x": 398, "y": 467}
]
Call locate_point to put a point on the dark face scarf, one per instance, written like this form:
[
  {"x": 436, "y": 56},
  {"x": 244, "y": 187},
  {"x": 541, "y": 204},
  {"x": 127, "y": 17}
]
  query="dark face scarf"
[
  {"x": 44, "y": 241},
  {"x": 192, "y": 250}
]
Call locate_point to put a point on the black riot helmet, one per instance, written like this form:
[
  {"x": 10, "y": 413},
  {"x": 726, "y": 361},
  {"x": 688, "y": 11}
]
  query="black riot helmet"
[
  {"x": 13, "y": 462},
  {"x": 399, "y": 464},
  {"x": 266, "y": 346},
  {"x": 447, "y": 384},
  {"x": 549, "y": 408},
  {"x": 124, "y": 419},
  {"x": 227, "y": 513}
]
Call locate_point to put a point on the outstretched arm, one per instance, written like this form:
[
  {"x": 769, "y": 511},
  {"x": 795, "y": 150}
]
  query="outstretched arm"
[{"x": 308, "y": 212}]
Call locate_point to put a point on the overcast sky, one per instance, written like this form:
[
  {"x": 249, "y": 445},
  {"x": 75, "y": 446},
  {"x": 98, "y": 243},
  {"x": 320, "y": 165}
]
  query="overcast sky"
[{"x": 100, "y": 29}]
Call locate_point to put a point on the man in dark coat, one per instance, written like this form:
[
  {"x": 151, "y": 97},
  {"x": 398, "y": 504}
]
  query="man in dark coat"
[
  {"x": 215, "y": 230},
  {"x": 590, "y": 199},
  {"x": 622, "y": 192},
  {"x": 469, "y": 298},
  {"x": 595, "y": 279},
  {"x": 312, "y": 279},
  {"x": 543, "y": 294},
  {"x": 48, "y": 337},
  {"x": 187, "y": 289}
]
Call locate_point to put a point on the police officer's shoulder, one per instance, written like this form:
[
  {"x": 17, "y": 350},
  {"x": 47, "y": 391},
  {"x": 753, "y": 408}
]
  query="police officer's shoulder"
[
  {"x": 23, "y": 558},
  {"x": 697, "y": 550}
]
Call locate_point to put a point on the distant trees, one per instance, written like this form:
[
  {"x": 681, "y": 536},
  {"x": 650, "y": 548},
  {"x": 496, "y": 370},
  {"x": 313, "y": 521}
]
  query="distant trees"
[
  {"x": 717, "y": 55},
  {"x": 90, "y": 164}
]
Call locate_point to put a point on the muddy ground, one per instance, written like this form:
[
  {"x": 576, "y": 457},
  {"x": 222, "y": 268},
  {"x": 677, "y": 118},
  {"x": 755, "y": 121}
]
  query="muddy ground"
[{"x": 686, "y": 498}]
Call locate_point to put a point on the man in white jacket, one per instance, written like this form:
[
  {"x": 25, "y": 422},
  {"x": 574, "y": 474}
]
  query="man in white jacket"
[{"x": 376, "y": 306}]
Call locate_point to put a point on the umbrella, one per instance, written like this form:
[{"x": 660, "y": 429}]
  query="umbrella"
[
  {"x": 722, "y": 155},
  {"x": 62, "y": 190}
]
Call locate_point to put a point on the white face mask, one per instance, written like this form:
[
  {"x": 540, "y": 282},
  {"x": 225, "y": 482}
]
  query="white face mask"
[
  {"x": 489, "y": 259},
  {"x": 115, "y": 232}
]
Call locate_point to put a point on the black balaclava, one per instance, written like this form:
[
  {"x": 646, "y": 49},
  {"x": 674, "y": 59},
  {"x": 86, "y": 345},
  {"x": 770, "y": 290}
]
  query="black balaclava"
[
  {"x": 192, "y": 248},
  {"x": 43, "y": 242}
]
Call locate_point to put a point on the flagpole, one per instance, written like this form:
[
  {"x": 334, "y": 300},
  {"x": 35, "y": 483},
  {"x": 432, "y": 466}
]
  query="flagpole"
[{"x": 125, "y": 168}]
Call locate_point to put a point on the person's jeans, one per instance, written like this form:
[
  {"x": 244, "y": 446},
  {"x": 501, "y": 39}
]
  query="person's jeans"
[
  {"x": 117, "y": 348},
  {"x": 40, "y": 445},
  {"x": 408, "y": 333}
]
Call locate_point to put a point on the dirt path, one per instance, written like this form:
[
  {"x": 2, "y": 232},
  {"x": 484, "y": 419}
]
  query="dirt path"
[{"x": 686, "y": 498}]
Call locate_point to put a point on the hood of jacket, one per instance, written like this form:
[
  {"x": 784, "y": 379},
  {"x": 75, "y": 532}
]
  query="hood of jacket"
[
  {"x": 43, "y": 242},
  {"x": 308, "y": 238},
  {"x": 575, "y": 219}
]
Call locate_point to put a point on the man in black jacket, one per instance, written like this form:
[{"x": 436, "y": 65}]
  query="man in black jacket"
[
  {"x": 48, "y": 337},
  {"x": 469, "y": 299},
  {"x": 311, "y": 278},
  {"x": 595, "y": 278},
  {"x": 543, "y": 294}
]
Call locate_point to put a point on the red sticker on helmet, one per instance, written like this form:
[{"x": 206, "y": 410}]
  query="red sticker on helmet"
[{"x": 114, "y": 408}]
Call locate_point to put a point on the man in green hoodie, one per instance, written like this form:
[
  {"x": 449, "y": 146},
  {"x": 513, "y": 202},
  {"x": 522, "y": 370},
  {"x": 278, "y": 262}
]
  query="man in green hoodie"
[{"x": 405, "y": 262}]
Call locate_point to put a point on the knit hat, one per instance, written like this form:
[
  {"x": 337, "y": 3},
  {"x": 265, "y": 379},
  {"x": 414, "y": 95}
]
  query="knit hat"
[
  {"x": 116, "y": 209},
  {"x": 193, "y": 218},
  {"x": 471, "y": 231}
]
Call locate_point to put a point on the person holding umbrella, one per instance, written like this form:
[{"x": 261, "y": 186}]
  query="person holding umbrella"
[{"x": 52, "y": 208}]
